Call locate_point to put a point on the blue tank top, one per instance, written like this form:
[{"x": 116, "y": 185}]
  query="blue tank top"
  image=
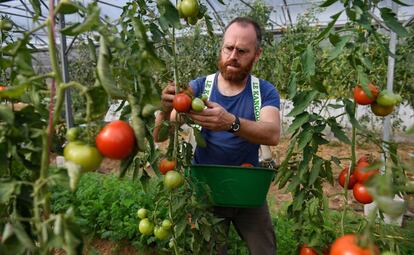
[{"x": 225, "y": 148}]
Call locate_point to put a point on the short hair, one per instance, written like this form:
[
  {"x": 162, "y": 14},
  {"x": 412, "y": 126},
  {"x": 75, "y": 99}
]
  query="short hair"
[{"x": 244, "y": 21}]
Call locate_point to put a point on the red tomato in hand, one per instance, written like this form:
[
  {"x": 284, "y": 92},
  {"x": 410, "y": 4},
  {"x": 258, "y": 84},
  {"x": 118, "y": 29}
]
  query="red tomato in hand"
[
  {"x": 362, "y": 98},
  {"x": 342, "y": 178},
  {"x": 247, "y": 165},
  {"x": 348, "y": 245},
  {"x": 361, "y": 193},
  {"x": 361, "y": 174},
  {"x": 116, "y": 140},
  {"x": 166, "y": 165},
  {"x": 305, "y": 250},
  {"x": 182, "y": 102}
]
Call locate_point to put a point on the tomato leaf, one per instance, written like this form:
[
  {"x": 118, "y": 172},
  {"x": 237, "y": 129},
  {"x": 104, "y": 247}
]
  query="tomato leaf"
[
  {"x": 349, "y": 109},
  {"x": 338, "y": 131},
  {"x": 169, "y": 13},
  {"x": 298, "y": 122},
  {"x": 308, "y": 61},
  {"x": 392, "y": 22},
  {"x": 401, "y": 3},
  {"x": 328, "y": 3},
  {"x": 302, "y": 102},
  {"x": 316, "y": 167},
  {"x": 292, "y": 85},
  {"x": 23, "y": 237},
  {"x": 201, "y": 142},
  {"x": 338, "y": 48},
  {"x": 37, "y": 9},
  {"x": 298, "y": 201},
  {"x": 363, "y": 79},
  {"x": 6, "y": 114},
  {"x": 105, "y": 73},
  {"x": 88, "y": 24},
  {"x": 330, "y": 25},
  {"x": 6, "y": 191}
]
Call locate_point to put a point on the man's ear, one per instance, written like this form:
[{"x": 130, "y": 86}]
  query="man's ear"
[{"x": 258, "y": 54}]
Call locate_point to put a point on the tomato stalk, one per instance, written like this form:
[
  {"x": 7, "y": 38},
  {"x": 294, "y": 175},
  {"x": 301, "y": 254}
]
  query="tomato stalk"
[
  {"x": 352, "y": 166},
  {"x": 170, "y": 212}
]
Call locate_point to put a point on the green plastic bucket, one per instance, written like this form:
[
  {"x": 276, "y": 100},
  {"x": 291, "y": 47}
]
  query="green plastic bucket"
[{"x": 233, "y": 186}]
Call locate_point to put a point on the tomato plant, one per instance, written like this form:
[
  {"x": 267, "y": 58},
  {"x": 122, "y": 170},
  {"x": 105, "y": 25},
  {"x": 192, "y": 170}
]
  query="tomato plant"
[
  {"x": 362, "y": 174},
  {"x": 380, "y": 110},
  {"x": 84, "y": 155},
  {"x": 116, "y": 140},
  {"x": 348, "y": 245},
  {"x": 361, "y": 193},
  {"x": 173, "y": 179},
  {"x": 362, "y": 98},
  {"x": 342, "y": 178},
  {"x": 197, "y": 105},
  {"x": 182, "y": 102},
  {"x": 167, "y": 165}
]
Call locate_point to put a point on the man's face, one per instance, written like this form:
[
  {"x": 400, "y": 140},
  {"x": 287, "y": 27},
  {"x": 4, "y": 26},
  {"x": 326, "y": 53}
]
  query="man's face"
[{"x": 238, "y": 52}]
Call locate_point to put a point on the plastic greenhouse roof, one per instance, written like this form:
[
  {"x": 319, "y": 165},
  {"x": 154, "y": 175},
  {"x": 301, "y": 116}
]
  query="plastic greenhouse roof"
[{"x": 283, "y": 12}]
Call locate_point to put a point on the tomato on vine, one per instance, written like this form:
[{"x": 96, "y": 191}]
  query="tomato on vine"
[
  {"x": 146, "y": 227},
  {"x": 386, "y": 98},
  {"x": 182, "y": 102},
  {"x": 84, "y": 155},
  {"x": 362, "y": 174},
  {"x": 173, "y": 180},
  {"x": 197, "y": 105},
  {"x": 142, "y": 213},
  {"x": 380, "y": 110},
  {"x": 342, "y": 178},
  {"x": 72, "y": 134},
  {"x": 167, "y": 165},
  {"x": 306, "y": 250},
  {"x": 361, "y": 193},
  {"x": 348, "y": 245},
  {"x": 166, "y": 224},
  {"x": 161, "y": 233},
  {"x": 362, "y": 98},
  {"x": 116, "y": 140},
  {"x": 189, "y": 8}
]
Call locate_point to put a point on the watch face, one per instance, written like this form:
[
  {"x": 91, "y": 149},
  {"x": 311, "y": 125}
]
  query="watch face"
[{"x": 236, "y": 127}]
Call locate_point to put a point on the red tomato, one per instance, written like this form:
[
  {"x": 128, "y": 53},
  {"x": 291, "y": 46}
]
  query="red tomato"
[
  {"x": 305, "y": 250},
  {"x": 361, "y": 174},
  {"x": 3, "y": 88},
  {"x": 348, "y": 245},
  {"x": 342, "y": 178},
  {"x": 116, "y": 140},
  {"x": 182, "y": 102},
  {"x": 247, "y": 165},
  {"x": 361, "y": 193},
  {"x": 166, "y": 165},
  {"x": 363, "y": 99}
]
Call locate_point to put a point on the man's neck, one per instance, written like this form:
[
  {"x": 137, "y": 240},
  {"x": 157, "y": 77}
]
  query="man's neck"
[{"x": 230, "y": 88}]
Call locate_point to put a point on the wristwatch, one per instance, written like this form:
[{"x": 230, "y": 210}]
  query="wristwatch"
[{"x": 235, "y": 126}]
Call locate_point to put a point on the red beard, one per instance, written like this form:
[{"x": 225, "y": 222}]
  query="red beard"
[{"x": 232, "y": 75}]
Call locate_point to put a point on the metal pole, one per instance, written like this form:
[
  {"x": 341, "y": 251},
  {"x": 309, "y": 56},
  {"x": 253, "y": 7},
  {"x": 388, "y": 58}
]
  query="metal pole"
[
  {"x": 65, "y": 74},
  {"x": 390, "y": 76}
]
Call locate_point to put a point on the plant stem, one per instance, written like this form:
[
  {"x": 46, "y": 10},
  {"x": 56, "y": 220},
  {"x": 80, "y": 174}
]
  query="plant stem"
[{"x": 170, "y": 212}]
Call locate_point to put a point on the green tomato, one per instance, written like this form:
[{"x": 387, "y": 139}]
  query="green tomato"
[
  {"x": 386, "y": 98},
  {"x": 173, "y": 179},
  {"x": 197, "y": 104},
  {"x": 72, "y": 134},
  {"x": 189, "y": 8},
  {"x": 161, "y": 233},
  {"x": 192, "y": 20},
  {"x": 142, "y": 213},
  {"x": 5, "y": 25},
  {"x": 166, "y": 224},
  {"x": 146, "y": 227},
  {"x": 86, "y": 156},
  {"x": 204, "y": 98}
]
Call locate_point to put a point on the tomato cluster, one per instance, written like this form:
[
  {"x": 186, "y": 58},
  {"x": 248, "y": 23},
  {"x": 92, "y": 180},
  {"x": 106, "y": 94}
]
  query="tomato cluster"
[
  {"x": 357, "y": 179},
  {"x": 147, "y": 227},
  {"x": 382, "y": 103},
  {"x": 185, "y": 101}
]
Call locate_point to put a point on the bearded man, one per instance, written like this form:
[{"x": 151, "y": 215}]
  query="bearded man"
[{"x": 242, "y": 113}]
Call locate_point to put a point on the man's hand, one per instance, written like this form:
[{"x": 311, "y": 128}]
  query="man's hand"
[
  {"x": 215, "y": 117},
  {"x": 167, "y": 97}
]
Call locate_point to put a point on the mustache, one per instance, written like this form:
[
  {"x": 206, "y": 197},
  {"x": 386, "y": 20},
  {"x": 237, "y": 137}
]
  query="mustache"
[{"x": 233, "y": 63}]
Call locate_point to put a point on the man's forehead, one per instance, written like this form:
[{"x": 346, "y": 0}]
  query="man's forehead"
[{"x": 241, "y": 33}]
